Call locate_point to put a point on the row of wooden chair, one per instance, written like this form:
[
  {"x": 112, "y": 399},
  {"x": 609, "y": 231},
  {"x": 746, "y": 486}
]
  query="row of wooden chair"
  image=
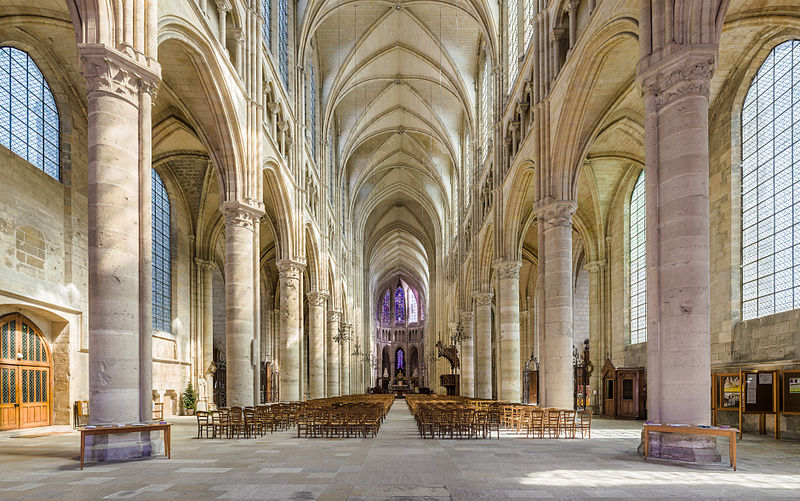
[
  {"x": 247, "y": 422},
  {"x": 354, "y": 420},
  {"x": 547, "y": 422},
  {"x": 453, "y": 421}
]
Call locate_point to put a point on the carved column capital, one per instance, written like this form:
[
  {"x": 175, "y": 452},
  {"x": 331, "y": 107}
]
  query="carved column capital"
[
  {"x": 594, "y": 266},
  {"x": 334, "y": 315},
  {"x": 290, "y": 269},
  {"x": 123, "y": 75},
  {"x": 203, "y": 264},
  {"x": 238, "y": 36},
  {"x": 467, "y": 317},
  {"x": 506, "y": 269},
  {"x": 482, "y": 298},
  {"x": 223, "y": 5},
  {"x": 688, "y": 73},
  {"x": 555, "y": 212},
  {"x": 242, "y": 215},
  {"x": 317, "y": 298}
]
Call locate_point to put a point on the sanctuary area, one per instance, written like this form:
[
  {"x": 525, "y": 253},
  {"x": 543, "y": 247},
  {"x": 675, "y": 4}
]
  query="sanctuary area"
[{"x": 399, "y": 248}]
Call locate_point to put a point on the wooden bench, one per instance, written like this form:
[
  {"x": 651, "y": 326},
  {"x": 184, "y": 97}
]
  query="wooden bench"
[
  {"x": 693, "y": 430},
  {"x": 113, "y": 430}
]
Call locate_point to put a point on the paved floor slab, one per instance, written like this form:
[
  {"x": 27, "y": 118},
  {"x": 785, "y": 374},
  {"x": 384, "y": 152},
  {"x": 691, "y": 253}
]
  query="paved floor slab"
[{"x": 397, "y": 464}]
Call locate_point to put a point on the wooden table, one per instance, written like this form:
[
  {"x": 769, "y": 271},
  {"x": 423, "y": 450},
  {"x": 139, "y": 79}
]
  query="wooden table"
[
  {"x": 693, "y": 430},
  {"x": 113, "y": 430}
]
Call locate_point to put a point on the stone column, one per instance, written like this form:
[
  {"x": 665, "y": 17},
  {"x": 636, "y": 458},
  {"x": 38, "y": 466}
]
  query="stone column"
[
  {"x": 555, "y": 224},
  {"x": 509, "y": 373},
  {"x": 347, "y": 350},
  {"x": 290, "y": 273},
  {"x": 207, "y": 326},
  {"x": 678, "y": 242},
  {"x": 239, "y": 303},
  {"x": 468, "y": 355},
  {"x": 483, "y": 344},
  {"x": 316, "y": 343},
  {"x": 598, "y": 332},
  {"x": 223, "y": 7},
  {"x": 117, "y": 333},
  {"x": 333, "y": 354}
]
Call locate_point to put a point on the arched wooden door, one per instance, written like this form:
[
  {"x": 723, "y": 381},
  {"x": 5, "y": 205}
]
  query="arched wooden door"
[{"x": 25, "y": 374}]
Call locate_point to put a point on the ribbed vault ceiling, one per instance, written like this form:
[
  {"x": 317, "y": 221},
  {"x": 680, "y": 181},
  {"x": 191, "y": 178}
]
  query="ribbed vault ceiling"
[{"x": 398, "y": 90}]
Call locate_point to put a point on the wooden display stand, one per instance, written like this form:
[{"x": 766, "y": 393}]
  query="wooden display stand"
[
  {"x": 692, "y": 430},
  {"x": 725, "y": 394},
  {"x": 113, "y": 430},
  {"x": 790, "y": 393},
  {"x": 758, "y": 394}
]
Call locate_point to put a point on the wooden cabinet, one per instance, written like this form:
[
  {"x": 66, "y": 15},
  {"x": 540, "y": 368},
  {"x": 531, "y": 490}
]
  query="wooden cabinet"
[{"x": 624, "y": 392}]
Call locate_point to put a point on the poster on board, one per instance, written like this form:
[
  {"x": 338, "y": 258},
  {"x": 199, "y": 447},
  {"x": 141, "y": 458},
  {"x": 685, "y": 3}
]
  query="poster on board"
[
  {"x": 730, "y": 391},
  {"x": 794, "y": 385},
  {"x": 752, "y": 386}
]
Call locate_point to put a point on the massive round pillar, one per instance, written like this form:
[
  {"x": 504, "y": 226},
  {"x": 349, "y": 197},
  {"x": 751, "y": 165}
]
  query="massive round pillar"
[
  {"x": 483, "y": 344},
  {"x": 239, "y": 303},
  {"x": 332, "y": 366},
  {"x": 555, "y": 224},
  {"x": 290, "y": 273},
  {"x": 468, "y": 355},
  {"x": 316, "y": 343},
  {"x": 510, "y": 374}
]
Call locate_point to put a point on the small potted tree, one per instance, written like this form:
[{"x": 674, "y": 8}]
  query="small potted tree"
[{"x": 189, "y": 399}]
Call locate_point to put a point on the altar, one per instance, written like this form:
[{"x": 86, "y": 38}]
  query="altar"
[{"x": 401, "y": 385}]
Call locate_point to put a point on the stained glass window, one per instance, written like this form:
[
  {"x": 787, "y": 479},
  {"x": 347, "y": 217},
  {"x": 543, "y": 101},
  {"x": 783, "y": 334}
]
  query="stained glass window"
[
  {"x": 638, "y": 268},
  {"x": 412, "y": 308},
  {"x": 771, "y": 186},
  {"x": 401, "y": 362},
  {"x": 512, "y": 42},
  {"x": 266, "y": 13},
  {"x": 399, "y": 306},
  {"x": 28, "y": 115},
  {"x": 283, "y": 41},
  {"x": 387, "y": 308},
  {"x": 162, "y": 275}
]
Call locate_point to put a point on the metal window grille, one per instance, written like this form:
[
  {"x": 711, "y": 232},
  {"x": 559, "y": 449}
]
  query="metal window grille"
[
  {"x": 513, "y": 41},
  {"x": 266, "y": 29},
  {"x": 283, "y": 41},
  {"x": 771, "y": 186},
  {"x": 637, "y": 271},
  {"x": 29, "y": 121},
  {"x": 162, "y": 286}
]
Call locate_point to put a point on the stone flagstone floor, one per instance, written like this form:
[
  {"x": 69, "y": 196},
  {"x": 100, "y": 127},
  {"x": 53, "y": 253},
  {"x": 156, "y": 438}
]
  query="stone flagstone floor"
[{"x": 395, "y": 465}]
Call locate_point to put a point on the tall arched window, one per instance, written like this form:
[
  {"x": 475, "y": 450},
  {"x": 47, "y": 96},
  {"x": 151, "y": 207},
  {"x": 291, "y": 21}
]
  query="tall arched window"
[
  {"x": 413, "y": 316},
  {"x": 266, "y": 13},
  {"x": 399, "y": 306},
  {"x": 283, "y": 41},
  {"x": 530, "y": 13},
  {"x": 512, "y": 41},
  {"x": 312, "y": 110},
  {"x": 770, "y": 188},
  {"x": 330, "y": 167},
  {"x": 468, "y": 169},
  {"x": 28, "y": 115},
  {"x": 638, "y": 269},
  {"x": 485, "y": 109},
  {"x": 162, "y": 275},
  {"x": 386, "y": 317}
]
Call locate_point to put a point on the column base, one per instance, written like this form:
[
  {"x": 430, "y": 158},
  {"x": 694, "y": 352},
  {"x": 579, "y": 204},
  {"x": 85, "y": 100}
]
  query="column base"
[
  {"x": 124, "y": 446},
  {"x": 680, "y": 447}
]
